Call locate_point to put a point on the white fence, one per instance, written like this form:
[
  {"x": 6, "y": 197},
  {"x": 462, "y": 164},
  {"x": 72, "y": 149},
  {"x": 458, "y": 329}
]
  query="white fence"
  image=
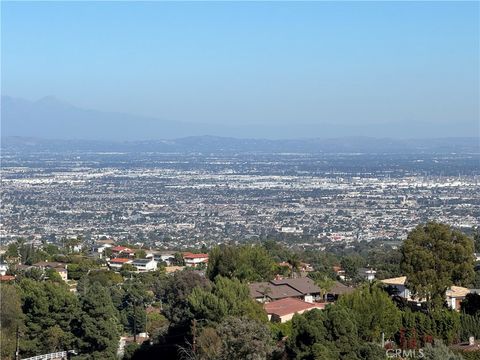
[{"x": 51, "y": 356}]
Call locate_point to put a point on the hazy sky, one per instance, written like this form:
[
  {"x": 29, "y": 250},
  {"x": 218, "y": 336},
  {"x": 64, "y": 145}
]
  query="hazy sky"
[{"x": 264, "y": 63}]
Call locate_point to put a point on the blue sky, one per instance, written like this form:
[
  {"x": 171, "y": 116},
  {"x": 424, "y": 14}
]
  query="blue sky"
[{"x": 256, "y": 63}]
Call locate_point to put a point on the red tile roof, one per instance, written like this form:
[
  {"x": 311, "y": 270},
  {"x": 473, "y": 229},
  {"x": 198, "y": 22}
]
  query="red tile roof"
[
  {"x": 120, "y": 260},
  {"x": 7, "y": 277},
  {"x": 290, "y": 306},
  {"x": 194, "y": 256},
  {"x": 122, "y": 249}
]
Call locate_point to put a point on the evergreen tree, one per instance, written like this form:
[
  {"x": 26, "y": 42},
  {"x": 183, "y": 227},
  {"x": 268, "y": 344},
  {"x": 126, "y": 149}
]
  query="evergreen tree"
[
  {"x": 11, "y": 320},
  {"x": 471, "y": 304},
  {"x": 50, "y": 310},
  {"x": 174, "y": 293},
  {"x": 98, "y": 328},
  {"x": 374, "y": 312},
  {"x": 229, "y": 297},
  {"x": 469, "y": 326},
  {"x": 342, "y": 332},
  {"x": 329, "y": 335},
  {"x": 247, "y": 263},
  {"x": 308, "y": 330}
]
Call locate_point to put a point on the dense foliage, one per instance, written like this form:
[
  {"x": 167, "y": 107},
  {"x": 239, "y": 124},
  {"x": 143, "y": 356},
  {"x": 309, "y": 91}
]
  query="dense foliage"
[
  {"x": 373, "y": 311},
  {"x": 228, "y": 297},
  {"x": 248, "y": 263},
  {"x": 434, "y": 257},
  {"x": 189, "y": 315}
]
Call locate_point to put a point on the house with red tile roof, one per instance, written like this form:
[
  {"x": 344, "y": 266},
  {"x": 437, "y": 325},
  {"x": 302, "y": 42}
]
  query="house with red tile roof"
[
  {"x": 122, "y": 250},
  {"x": 193, "y": 260},
  {"x": 284, "y": 309},
  {"x": 117, "y": 263}
]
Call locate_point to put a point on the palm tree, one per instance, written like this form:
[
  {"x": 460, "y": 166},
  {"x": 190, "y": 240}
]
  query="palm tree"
[{"x": 295, "y": 263}]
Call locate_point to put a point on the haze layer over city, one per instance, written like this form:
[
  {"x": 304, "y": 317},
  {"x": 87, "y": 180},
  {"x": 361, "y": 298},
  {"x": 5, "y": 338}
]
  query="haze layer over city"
[{"x": 190, "y": 198}]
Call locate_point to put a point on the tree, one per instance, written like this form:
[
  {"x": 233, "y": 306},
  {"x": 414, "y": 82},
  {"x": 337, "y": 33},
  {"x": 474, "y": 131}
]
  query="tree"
[
  {"x": 178, "y": 259},
  {"x": 157, "y": 324},
  {"x": 244, "y": 338},
  {"x": 248, "y": 263},
  {"x": 329, "y": 335},
  {"x": 106, "y": 278},
  {"x": 439, "y": 351},
  {"x": 374, "y": 312},
  {"x": 469, "y": 326},
  {"x": 471, "y": 304},
  {"x": 209, "y": 344},
  {"x": 446, "y": 324},
  {"x": 419, "y": 328},
  {"x": 222, "y": 261},
  {"x": 130, "y": 350},
  {"x": 435, "y": 257},
  {"x": 127, "y": 269},
  {"x": 50, "y": 310},
  {"x": 276, "y": 250},
  {"x": 53, "y": 275},
  {"x": 98, "y": 328},
  {"x": 140, "y": 254},
  {"x": 174, "y": 293},
  {"x": 386, "y": 261},
  {"x": 254, "y": 264},
  {"x": 294, "y": 262},
  {"x": 281, "y": 331},
  {"x": 341, "y": 332},
  {"x": 307, "y": 330},
  {"x": 229, "y": 297},
  {"x": 76, "y": 271},
  {"x": 476, "y": 239},
  {"x": 323, "y": 281},
  {"x": 350, "y": 265},
  {"x": 26, "y": 253},
  {"x": 131, "y": 303},
  {"x": 11, "y": 320}
]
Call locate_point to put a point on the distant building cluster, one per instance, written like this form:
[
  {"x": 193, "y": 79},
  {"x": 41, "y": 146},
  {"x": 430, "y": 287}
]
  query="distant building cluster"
[{"x": 181, "y": 201}]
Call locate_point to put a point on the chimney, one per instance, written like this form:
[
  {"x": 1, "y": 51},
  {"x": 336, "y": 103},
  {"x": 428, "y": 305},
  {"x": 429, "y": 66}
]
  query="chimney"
[{"x": 471, "y": 340}]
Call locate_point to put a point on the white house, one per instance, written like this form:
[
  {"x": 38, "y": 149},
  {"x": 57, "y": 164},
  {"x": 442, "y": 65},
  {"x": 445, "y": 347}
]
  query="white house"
[
  {"x": 117, "y": 263},
  {"x": 193, "y": 260},
  {"x": 3, "y": 268},
  {"x": 99, "y": 249},
  {"x": 161, "y": 256},
  {"x": 144, "y": 265},
  {"x": 367, "y": 274},
  {"x": 291, "y": 230}
]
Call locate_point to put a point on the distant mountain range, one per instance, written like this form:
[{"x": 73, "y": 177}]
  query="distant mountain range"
[
  {"x": 52, "y": 118},
  {"x": 214, "y": 144}
]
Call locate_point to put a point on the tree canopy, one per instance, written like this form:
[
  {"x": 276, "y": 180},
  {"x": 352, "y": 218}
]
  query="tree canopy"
[
  {"x": 98, "y": 326},
  {"x": 229, "y": 297},
  {"x": 12, "y": 320},
  {"x": 434, "y": 257},
  {"x": 248, "y": 263},
  {"x": 374, "y": 312}
]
